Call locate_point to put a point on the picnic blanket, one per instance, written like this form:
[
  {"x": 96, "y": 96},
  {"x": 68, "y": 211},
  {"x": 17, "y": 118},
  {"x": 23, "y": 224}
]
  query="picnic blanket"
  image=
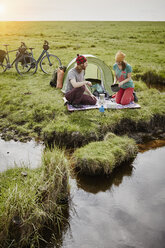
[{"x": 109, "y": 104}]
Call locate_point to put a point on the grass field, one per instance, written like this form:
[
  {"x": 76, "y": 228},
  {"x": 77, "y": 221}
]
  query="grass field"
[
  {"x": 143, "y": 42},
  {"x": 29, "y": 107}
]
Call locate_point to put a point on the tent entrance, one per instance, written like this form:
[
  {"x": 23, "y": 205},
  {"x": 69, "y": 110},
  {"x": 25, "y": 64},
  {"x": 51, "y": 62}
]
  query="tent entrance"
[{"x": 94, "y": 74}]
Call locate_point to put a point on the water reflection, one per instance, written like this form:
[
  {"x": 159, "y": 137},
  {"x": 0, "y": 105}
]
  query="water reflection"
[
  {"x": 125, "y": 211},
  {"x": 21, "y": 154},
  {"x": 102, "y": 183}
]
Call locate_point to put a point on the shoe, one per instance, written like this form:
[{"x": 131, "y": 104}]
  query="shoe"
[
  {"x": 135, "y": 97},
  {"x": 66, "y": 103}
]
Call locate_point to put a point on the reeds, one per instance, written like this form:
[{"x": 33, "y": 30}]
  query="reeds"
[{"x": 33, "y": 200}]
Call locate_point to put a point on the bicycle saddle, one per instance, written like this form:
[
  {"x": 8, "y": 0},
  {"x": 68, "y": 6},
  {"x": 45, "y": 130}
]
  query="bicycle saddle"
[
  {"x": 31, "y": 48},
  {"x": 5, "y": 45}
]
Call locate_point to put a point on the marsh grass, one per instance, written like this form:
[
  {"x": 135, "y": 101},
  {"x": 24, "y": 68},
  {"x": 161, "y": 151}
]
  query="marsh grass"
[
  {"x": 102, "y": 157},
  {"x": 33, "y": 200}
]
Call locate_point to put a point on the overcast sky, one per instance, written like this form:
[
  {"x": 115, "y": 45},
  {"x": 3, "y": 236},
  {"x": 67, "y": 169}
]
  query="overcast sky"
[{"x": 131, "y": 10}]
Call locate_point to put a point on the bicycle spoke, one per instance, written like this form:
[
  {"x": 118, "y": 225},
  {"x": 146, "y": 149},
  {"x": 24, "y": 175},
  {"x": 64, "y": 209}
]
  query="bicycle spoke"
[
  {"x": 26, "y": 65},
  {"x": 3, "y": 65},
  {"x": 49, "y": 63}
]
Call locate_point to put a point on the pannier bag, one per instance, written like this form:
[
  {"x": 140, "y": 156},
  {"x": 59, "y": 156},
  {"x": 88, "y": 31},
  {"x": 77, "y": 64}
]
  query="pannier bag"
[
  {"x": 2, "y": 55},
  {"x": 22, "y": 50}
]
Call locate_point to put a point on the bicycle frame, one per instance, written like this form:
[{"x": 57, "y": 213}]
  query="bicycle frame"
[
  {"x": 41, "y": 55},
  {"x": 8, "y": 59}
]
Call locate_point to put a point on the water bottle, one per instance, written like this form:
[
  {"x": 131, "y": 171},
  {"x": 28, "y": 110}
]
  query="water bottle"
[{"x": 101, "y": 109}]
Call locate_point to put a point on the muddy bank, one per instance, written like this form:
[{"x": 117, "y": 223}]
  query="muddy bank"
[
  {"x": 140, "y": 132},
  {"x": 151, "y": 77}
]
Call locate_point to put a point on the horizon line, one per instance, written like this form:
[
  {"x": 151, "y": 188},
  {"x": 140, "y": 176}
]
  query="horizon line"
[{"x": 82, "y": 20}]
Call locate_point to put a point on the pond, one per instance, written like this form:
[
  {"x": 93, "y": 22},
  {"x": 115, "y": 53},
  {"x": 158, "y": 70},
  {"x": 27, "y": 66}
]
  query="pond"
[
  {"x": 125, "y": 210},
  {"x": 21, "y": 154}
]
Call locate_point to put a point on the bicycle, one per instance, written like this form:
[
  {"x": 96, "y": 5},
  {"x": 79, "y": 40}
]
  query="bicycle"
[
  {"x": 49, "y": 62},
  {"x": 24, "y": 62}
]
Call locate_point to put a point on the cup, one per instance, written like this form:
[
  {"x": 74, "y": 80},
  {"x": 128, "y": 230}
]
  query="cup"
[{"x": 101, "y": 99}]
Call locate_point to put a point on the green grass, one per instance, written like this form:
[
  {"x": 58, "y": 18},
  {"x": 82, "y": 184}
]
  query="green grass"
[
  {"x": 104, "y": 156},
  {"x": 29, "y": 107},
  {"x": 36, "y": 200}
]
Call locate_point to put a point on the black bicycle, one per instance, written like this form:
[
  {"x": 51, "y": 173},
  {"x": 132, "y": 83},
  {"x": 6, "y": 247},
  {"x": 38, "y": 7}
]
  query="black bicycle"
[
  {"x": 24, "y": 62},
  {"x": 49, "y": 62}
]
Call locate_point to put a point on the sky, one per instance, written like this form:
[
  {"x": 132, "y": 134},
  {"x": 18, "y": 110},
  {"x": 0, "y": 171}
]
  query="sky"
[{"x": 82, "y": 10}]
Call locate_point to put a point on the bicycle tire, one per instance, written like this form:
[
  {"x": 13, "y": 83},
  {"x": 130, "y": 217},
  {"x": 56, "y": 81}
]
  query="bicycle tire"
[
  {"x": 48, "y": 68},
  {"x": 26, "y": 65},
  {"x": 3, "y": 66}
]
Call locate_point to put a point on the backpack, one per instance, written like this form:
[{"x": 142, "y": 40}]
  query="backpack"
[
  {"x": 53, "y": 81},
  {"x": 98, "y": 89},
  {"x": 2, "y": 55}
]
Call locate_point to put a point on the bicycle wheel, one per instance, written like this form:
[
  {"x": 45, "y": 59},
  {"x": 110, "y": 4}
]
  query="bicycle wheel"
[
  {"x": 3, "y": 65},
  {"x": 26, "y": 65},
  {"x": 49, "y": 63}
]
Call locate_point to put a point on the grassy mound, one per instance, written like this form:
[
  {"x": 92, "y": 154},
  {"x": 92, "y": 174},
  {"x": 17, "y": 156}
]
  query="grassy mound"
[
  {"x": 33, "y": 199},
  {"x": 104, "y": 156}
]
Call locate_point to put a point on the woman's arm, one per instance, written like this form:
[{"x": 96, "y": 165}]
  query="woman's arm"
[
  {"x": 126, "y": 80},
  {"x": 115, "y": 79}
]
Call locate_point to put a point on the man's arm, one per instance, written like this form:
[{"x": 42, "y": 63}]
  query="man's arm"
[
  {"x": 89, "y": 92},
  {"x": 79, "y": 84}
]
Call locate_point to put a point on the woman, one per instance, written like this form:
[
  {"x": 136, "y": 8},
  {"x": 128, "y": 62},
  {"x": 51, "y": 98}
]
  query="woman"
[{"x": 123, "y": 75}]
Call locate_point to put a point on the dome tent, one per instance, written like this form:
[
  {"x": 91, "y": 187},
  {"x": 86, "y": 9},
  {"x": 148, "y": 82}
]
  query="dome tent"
[{"x": 96, "y": 72}]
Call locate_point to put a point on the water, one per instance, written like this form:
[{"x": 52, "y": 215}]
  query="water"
[
  {"x": 125, "y": 210},
  {"x": 122, "y": 211},
  {"x": 21, "y": 154}
]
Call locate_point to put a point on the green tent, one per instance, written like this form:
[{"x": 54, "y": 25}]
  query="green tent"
[{"x": 96, "y": 71}]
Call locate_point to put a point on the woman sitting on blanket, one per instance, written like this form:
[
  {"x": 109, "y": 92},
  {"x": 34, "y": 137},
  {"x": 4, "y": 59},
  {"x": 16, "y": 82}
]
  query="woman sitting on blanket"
[
  {"x": 76, "y": 85},
  {"x": 123, "y": 75}
]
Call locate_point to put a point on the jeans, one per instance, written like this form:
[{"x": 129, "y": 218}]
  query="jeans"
[
  {"x": 125, "y": 96},
  {"x": 77, "y": 96}
]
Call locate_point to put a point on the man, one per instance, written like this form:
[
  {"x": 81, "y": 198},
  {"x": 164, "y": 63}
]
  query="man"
[{"x": 77, "y": 86}]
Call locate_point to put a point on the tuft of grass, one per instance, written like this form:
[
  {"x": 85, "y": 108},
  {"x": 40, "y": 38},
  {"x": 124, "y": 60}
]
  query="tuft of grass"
[
  {"x": 104, "y": 156},
  {"x": 33, "y": 199}
]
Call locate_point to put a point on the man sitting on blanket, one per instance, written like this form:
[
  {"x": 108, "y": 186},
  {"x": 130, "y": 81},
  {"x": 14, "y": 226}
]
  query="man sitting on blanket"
[{"x": 77, "y": 86}]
